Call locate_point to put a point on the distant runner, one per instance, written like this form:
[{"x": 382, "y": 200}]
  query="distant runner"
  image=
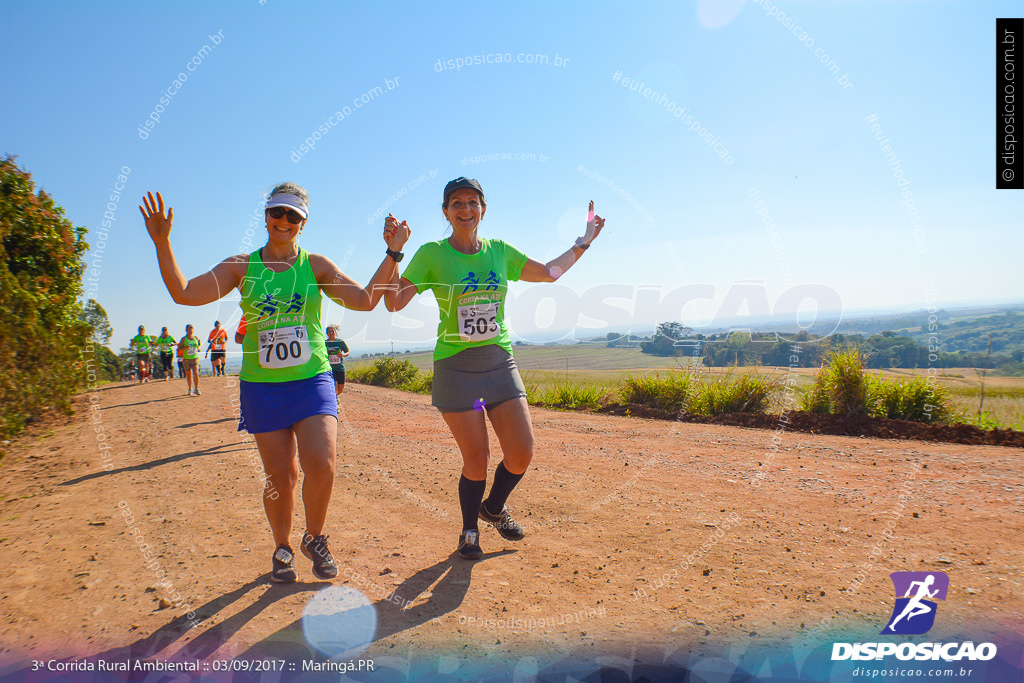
[
  {"x": 166, "y": 343},
  {"x": 142, "y": 342},
  {"x": 285, "y": 384},
  {"x": 189, "y": 347},
  {"x": 217, "y": 342},
  {"x": 473, "y": 366},
  {"x": 337, "y": 349}
]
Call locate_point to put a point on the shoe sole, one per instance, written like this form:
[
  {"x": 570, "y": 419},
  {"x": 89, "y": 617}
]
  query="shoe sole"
[
  {"x": 473, "y": 555},
  {"x": 501, "y": 532},
  {"x": 324, "y": 577},
  {"x": 291, "y": 579}
]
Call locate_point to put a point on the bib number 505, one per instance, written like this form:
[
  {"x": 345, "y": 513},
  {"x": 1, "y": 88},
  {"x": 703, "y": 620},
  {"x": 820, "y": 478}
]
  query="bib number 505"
[{"x": 284, "y": 347}]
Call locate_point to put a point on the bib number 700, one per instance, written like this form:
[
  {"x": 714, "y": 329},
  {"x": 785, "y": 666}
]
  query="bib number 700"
[{"x": 284, "y": 347}]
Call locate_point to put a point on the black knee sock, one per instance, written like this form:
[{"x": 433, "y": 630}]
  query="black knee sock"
[
  {"x": 470, "y": 494},
  {"x": 504, "y": 482}
]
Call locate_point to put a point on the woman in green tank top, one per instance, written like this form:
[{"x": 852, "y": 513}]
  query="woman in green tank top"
[{"x": 284, "y": 367}]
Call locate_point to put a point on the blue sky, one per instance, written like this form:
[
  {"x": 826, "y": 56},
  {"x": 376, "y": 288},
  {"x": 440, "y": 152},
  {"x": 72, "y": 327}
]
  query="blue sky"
[{"x": 80, "y": 81}]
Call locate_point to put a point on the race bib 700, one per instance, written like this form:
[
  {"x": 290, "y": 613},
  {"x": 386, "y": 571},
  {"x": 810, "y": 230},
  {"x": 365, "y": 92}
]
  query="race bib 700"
[{"x": 284, "y": 347}]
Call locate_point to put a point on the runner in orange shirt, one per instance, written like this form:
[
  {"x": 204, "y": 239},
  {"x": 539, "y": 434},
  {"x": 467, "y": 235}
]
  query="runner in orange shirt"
[{"x": 217, "y": 342}]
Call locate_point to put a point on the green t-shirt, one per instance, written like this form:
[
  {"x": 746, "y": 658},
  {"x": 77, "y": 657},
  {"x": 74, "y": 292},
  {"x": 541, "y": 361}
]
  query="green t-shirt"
[
  {"x": 470, "y": 291},
  {"x": 334, "y": 350},
  {"x": 141, "y": 342},
  {"x": 166, "y": 344},
  {"x": 191, "y": 347},
  {"x": 284, "y": 341}
]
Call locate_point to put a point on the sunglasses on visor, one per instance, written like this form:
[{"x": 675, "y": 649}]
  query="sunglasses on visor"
[{"x": 278, "y": 211}]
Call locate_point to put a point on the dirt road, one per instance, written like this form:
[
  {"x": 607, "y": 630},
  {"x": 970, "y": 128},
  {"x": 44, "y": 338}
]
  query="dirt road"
[{"x": 658, "y": 539}]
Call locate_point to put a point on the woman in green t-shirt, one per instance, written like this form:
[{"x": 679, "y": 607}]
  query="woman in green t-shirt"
[
  {"x": 473, "y": 366},
  {"x": 286, "y": 390}
]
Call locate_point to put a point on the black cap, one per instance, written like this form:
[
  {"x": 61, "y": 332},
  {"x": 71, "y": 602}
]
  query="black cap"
[{"x": 460, "y": 183}]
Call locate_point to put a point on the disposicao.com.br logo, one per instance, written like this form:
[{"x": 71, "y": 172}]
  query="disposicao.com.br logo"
[{"x": 914, "y": 614}]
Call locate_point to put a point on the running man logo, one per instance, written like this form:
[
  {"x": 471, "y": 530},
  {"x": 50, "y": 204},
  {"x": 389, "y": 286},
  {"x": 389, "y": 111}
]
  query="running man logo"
[
  {"x": 914, "y": 613},
  {"x": 472, "y": 282}
]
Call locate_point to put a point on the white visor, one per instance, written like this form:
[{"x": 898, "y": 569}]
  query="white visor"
[{"x": 290, "y": 201}]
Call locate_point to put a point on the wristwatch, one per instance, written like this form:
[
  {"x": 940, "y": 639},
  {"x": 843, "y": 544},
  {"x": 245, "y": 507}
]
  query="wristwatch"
[{"x": 396, "y": 255}]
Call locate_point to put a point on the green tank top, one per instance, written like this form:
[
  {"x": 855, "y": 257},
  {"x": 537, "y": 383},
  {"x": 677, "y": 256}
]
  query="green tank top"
[
  {"x": 284, "y": 341},
  {"x": 191, "y": 347}
]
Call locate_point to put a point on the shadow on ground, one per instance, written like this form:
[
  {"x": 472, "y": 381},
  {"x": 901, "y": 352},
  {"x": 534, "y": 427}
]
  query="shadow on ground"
[
  {"x": 445, "y": 584},
  {"x": 154, "y": 400},
  {"x": 450, "y": 578},
  {"x": 219, "y": 449},
  {"x": 211, "y": 422}
]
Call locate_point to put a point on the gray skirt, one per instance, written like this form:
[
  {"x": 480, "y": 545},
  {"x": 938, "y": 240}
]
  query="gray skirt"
[{"x": 477, "y": 378}]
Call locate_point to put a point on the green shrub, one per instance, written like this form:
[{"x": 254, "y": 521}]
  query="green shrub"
[
  {"x": 914, "y": 399},
  {"x": 887, "y": 399},
  {"x": 386, "y": 372},
  {"x": 421, "y": 383},
  {"x": 359, "y": 374},
  {"x": 751, "y": 393},
  {"x": 571, "y": 396},
  {"x": 671, "y": 393},
  {"x": 682, "y": 391},
  {"x": 642, "y": 390},
  {"x": 841, "y": 386},
  {"x": 41, "y": 265},
  {"x": 815, "y": 399}
]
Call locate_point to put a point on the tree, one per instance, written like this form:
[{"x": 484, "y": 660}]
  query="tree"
[
  {"x": 99, "y": 358},
  {"x": 99, "y": 323},
  {"x": 664, "y": 341},
  {"x": 40, "y": 285},
  {"x": 110, "y": 365}
]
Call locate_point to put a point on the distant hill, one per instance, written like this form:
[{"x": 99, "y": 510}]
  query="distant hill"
[{"x": 944, "y": 339}]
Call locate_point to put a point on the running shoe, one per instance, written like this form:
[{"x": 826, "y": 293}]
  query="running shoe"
[
  {"x": 198, "y": 393},
  {"x": 189, "y": 393},
  {"x": 469, "y": 545},
  {"x": 315, "y": 548},
  {"x": 284, "y": 567},
  {"x": 503, "y": 522}
]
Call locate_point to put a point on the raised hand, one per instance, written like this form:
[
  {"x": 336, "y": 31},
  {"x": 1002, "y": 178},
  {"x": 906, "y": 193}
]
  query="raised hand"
[
  {"x": 594, "y": 225},
  {"x": 157, "y": 224},
  {"x": 396, "y": 234}
]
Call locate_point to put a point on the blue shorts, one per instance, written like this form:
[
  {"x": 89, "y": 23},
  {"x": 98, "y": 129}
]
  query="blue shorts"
[{"x": 269, "y": 406}]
